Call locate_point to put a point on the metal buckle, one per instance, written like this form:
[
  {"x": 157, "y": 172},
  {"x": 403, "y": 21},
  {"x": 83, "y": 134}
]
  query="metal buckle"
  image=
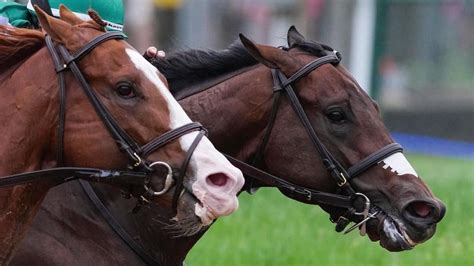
[
  {"x": 138, "y": 160},
  {"x": 169, "y": 181},
  {"x": 343, "y": 181},
  {"x": 308, "y": 196}
]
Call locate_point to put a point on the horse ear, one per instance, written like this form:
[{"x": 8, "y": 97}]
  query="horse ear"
[
  {"x": 67, "y": 15},
  {"x": 294, "y": 37},
  {"x": 54, "y": 27},
  {"x": 257, "y": 51}
]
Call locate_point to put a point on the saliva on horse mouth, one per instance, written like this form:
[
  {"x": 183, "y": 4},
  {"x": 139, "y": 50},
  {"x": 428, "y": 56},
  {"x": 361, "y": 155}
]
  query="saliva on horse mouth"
[{"x": 393, "y": 230}]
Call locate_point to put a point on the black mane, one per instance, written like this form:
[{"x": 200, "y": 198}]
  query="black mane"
[{"x": 185, "y": 68}]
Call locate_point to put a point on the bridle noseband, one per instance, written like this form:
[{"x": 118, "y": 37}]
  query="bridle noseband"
[
  {"x": 139, "y": 171},
  {"x": 355, "y": 203}
]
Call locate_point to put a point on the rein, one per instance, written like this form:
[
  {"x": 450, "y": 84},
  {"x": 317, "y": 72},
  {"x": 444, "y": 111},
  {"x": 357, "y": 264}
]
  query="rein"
[{"x": 139, "y": 171}]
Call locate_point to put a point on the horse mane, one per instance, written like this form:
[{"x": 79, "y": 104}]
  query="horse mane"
[
  {"x": 185, "y": 68},
  {"x": 16, "y": 44}
]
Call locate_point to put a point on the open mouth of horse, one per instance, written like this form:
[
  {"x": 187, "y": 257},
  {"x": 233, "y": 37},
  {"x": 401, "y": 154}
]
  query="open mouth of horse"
[{"x": 390, "y": 231}]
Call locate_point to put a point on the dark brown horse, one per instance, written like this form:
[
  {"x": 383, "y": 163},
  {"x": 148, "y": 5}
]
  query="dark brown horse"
[
  {"x": 116, "y": 101},
  {"x": 232, "y": 93}
]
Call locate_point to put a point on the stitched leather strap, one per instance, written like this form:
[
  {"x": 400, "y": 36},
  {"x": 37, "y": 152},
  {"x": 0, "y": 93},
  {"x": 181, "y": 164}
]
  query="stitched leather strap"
[
  {"x": 184, "y": 167},
  {"x": 169, "y": 136},
  {"x": 64, "y": 174},
  {"x": 373, "y": 159},
  {"x": 62, "y": 101},
  {"x": 332, "y": 58},
  {"x": 304, "y": 194},
  {"x": 112, "y": 35}
]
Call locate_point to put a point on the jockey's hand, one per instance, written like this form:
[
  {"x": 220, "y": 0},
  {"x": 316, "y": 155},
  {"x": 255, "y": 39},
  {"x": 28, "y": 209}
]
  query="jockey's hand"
[{"x": 152, "y": 52}]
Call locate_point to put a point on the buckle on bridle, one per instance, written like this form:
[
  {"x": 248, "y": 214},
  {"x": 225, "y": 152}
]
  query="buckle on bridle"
[
  {"x": 342, "y": 179},
  {"x": 138, "y": 160}
]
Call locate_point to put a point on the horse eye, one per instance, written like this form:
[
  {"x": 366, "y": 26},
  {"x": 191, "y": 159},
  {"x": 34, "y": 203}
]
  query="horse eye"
[
  {"x": 125, "y": 90},
  {"x": 336, "y": 116}
]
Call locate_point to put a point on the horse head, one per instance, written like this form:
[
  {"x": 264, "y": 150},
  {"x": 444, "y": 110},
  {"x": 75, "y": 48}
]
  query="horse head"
[
  {"x": 113, "y": 92},
  {"x": 349, "y": 134}
]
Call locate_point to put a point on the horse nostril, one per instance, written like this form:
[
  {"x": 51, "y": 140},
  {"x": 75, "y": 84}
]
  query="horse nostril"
[
  {"x": 218, "y": 179},
  {"x": 421, "y": 209},
  {"x": 424, "y": 212}
]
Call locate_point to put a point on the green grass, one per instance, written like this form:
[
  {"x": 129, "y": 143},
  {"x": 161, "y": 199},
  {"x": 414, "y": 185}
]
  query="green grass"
[{"x": 270, "y": 229}]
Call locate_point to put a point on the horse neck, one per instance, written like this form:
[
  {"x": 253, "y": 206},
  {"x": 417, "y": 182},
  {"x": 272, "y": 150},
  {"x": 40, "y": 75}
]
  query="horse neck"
[
  {"x": 28, "y": 119},
  {"x": 235, "y": 111}
]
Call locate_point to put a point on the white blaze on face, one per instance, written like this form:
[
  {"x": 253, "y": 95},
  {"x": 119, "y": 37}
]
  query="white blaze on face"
[
  {"x": 205, "y": 161},
  {"x": 398, "y": 163}
]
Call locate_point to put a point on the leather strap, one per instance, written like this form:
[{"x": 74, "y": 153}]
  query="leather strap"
[
  {"x": 115, "y": 225},
  {"x": 304, "y": 194},
  {"x": 184, "y": 167},
  {"x": 332, "y": 58},
  {"x": 111, "y": 35},
  {"x": 373, "y": 159},
  {"x": 170, "y": 136},
  {"x": 60, "y": 175},
  {"x": 62, "y": 101}
]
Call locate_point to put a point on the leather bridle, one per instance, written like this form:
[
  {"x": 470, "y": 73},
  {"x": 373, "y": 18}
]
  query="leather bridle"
[
  {"x": 355, "y": 203},
  {"x": 139, "y": 171}
]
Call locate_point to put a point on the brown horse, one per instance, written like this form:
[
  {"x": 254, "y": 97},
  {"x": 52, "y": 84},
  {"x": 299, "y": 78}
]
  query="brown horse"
[
  {"x": 231, "y": 93},
  {"x": 118, "y": 102}
]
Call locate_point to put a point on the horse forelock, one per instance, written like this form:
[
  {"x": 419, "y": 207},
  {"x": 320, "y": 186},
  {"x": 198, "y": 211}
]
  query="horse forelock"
[{"x": 16, "y": 44}]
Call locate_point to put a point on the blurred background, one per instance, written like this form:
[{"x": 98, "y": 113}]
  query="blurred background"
[{"x": 416, "y": 57}]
